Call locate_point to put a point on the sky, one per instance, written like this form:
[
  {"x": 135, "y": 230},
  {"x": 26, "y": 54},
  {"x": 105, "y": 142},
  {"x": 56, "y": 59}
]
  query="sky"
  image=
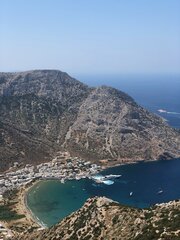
[{"x": 91, "y": 36}]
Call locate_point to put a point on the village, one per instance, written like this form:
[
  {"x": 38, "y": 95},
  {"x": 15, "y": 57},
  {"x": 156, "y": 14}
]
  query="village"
[{"x": 62, "y": 167}]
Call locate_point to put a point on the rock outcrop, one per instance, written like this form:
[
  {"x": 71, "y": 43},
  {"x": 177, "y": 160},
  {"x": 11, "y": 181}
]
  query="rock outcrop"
[{"x": 44, "y": 111}]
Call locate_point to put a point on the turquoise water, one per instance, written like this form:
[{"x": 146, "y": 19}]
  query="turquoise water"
[{"x": 51, "y": 201}]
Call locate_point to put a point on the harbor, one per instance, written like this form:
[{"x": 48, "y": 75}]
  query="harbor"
[
  {"x": 137, "y": 185},
  {"x": 63, "y": 167}
]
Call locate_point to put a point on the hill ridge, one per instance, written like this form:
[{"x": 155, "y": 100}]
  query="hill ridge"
[{"x": 100, "y": 123}]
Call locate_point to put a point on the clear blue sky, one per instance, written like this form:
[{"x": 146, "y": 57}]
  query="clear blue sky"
[{"x": 90, "y": 36}]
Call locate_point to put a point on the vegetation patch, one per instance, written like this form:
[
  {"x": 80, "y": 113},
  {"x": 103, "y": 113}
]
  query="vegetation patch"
[{"x": 7, "y": 214}]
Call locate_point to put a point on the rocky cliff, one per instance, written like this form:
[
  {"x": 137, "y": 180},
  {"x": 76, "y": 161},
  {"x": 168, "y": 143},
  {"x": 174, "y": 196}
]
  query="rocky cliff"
[
  {"x": 101, "y": 218},
  {"x": 44, "y": 111}
]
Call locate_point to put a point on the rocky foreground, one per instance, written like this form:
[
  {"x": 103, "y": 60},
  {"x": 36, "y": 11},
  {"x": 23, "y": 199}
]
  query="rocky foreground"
[
  {"x": 101, "y": 218},
  {"x": 46, "y": 111}
]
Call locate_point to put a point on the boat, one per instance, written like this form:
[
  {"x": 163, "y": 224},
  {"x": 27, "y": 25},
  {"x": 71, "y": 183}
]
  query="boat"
[
  {"x": 162, "y": 111},
  {"x": 112, "y": 176},
  {"x": 160, "y": 192},
  {"x": 62, "y": 180},
  {"x": 130, "y": 194},
  {"x": 107, "y": 179}
]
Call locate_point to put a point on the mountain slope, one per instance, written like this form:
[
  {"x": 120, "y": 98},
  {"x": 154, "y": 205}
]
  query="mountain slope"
[
  {"x": 44, "y": 111},
  {"x": 101, "y": 218},
  {"x": 36, "y": 110},
  {"x": 111, "y": 125}
]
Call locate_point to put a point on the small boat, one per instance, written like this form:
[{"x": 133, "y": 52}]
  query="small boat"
[
  {"x": 162, "y": 111},
  {"x": 62, "y": 180},
  {"x": 101, "y": 178},
  {"x": 130, "y": 194},
  {"x": 160, "y": 192},
  {"x": 112, "y": 176}
]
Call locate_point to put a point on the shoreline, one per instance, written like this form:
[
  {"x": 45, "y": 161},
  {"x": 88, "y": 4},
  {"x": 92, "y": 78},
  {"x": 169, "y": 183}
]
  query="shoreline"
[
  {"x": 21, "y": 208},
  {"x": 135, "y": 162},
  {"x": 24, "y": 191},
  {"x": 30, "y": 213}
]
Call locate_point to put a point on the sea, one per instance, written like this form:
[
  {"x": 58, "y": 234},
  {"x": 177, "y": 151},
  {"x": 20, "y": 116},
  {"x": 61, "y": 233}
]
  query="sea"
[{"x": 142, "y": 184}]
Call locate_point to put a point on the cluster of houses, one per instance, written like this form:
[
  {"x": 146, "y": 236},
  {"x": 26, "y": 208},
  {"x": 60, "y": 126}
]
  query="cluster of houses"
[
  {"x": 5, "y": 233},
  {"x": 62, "y": 167}
]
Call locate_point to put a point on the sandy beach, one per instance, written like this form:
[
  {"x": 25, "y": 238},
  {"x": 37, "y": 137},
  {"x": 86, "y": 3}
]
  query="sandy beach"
[{"x": 21, "y": 208}]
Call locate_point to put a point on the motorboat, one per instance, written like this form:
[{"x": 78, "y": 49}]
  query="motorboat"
[{"x": 107, "y": 179}]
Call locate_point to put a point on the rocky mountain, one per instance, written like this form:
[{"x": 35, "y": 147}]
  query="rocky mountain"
[
  {"x": 44, "y": 111},
  {"x": 101, "y": 218}
]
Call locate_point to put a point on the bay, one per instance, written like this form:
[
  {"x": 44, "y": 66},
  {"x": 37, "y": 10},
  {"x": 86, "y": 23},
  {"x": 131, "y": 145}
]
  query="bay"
[{"x": 50, "y": 201}]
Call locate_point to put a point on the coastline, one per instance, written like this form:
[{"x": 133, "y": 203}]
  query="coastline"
[
  {"x": 22, "y": 207},
  {"x": 30, "y": 213},
  {"x": 30, "y": 216},
  {"x": 135, "y": 162}
]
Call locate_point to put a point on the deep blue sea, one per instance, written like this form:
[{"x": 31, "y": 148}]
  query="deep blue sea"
[{"x": 150, "y": 183}]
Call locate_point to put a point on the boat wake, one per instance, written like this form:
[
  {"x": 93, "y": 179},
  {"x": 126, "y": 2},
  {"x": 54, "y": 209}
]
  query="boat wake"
[{"x": 164, "y": 111}]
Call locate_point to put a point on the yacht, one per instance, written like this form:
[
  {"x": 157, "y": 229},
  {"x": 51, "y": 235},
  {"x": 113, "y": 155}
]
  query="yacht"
[
  {"x": 112, "y": 176},
  {"x": 107, "y": 179}
]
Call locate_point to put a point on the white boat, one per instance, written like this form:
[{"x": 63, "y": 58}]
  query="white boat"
[
  {"x": 112, "y": 176},
  {"x": 130, "y": 194},
  {"x": 162, "y": 111},
  {"x": 160, "y": 192},
  {"x": 107, "y": 179}
]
